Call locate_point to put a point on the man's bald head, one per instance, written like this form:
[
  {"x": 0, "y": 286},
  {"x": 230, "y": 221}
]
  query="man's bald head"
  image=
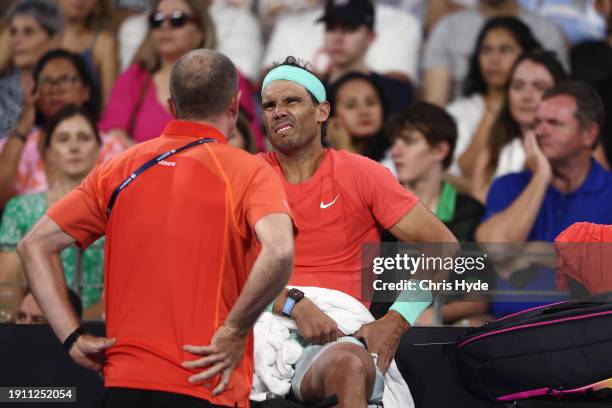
[{"x": 202, "y": 84}]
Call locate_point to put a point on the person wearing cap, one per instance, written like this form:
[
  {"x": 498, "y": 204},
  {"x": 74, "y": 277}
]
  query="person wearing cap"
[
  {"x": 199, "y": 240},
  {"x": 349, "y": 33},
  {"x": 339, "y": 201}
]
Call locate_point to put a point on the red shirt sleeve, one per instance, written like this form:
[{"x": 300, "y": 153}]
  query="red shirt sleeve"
[
  {"x": 265, "y": 195},
  {"x": 388, "y": 200},
  {"x": 81, "y": 213}
]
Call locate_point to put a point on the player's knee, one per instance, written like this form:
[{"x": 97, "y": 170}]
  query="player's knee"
[{"x": 351, "y": 365}]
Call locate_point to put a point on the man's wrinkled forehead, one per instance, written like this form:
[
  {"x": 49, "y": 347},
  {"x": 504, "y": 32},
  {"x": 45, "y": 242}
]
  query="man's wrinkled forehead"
[{"x": 557, "y": 107}]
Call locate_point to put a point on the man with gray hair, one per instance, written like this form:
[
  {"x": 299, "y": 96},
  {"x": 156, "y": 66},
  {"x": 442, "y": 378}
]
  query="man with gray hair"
[{"x": 199, "y": 241}]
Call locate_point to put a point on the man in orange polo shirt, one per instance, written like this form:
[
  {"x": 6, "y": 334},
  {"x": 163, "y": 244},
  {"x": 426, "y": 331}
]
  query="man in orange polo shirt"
[
  {"x": 339, "y": 201},
  {"x": 198, "y": 241}
]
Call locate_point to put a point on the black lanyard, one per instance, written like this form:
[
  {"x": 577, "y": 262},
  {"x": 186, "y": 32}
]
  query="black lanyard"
[{"x": 147, "y": 166}]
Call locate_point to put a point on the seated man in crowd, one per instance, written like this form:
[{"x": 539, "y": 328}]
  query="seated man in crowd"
[
  {"x": 339, "y": 201},
  {"x": 29, "y": 312},
  {"x": 563, "y": 185}
]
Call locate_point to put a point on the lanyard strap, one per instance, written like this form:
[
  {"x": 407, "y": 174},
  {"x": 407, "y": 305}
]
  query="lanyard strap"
[{"x": 147, "y": 166}]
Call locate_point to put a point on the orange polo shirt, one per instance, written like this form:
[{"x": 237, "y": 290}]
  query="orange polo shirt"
[
  {"x": 179, "y": 247},
  {"x": 346, "y": 203}
]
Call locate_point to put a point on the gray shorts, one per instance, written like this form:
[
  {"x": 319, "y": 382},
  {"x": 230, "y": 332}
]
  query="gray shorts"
[{"x": 312, "y": 352}]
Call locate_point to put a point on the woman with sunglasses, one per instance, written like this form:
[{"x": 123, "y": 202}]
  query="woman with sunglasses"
[
  {"x": 61, "y": 78},
  {"x": 137, "y": 108},
  {"x": 84, "y": 35},
  {"x": 72, "y": 146}
]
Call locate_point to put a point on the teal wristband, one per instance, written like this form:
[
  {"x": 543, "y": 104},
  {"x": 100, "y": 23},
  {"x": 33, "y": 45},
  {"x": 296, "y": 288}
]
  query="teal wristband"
[
  {"x": 411, "y": 303},
  {"x": 269, "y": 307}
]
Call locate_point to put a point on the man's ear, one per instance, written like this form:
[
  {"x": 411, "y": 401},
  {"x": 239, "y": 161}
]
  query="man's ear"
[
  {"x": 235, "y": 104},
  {"x": 441, "y": 151},
  {"x": 171, "y": 108},
  {"x": 323, "y": 111},
  {"x": 590, "y": 134}
]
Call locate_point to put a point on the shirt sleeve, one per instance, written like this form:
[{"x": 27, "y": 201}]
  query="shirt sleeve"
[
  {"x": 435, "y": 51},
  {"x": 265, "y": 195},
  {"x": 81, "y": 214},
  {"x": 502, "y": 193},
  {"x": 123, "y": 100},
  {"x": 388, "y": 200}
]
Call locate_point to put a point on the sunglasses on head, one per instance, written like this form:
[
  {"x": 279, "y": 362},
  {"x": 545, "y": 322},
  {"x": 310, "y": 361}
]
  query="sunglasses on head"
[{"x": 177, "y": 19}]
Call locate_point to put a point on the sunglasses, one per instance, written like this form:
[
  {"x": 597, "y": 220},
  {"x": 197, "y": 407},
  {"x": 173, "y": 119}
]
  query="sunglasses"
[{"x": 177, "y": 19}]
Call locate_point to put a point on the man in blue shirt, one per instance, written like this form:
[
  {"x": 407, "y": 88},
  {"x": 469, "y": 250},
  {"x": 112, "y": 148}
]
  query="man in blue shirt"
[{"x": 563, "y": 185}]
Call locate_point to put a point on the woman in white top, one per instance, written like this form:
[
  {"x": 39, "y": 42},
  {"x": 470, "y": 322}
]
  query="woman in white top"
[
  {"x": 532, "y": 75},
  {"x": 499, "y": 44}
]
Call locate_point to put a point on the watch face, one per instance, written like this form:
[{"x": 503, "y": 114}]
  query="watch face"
[{"x": 295, "y": 294}]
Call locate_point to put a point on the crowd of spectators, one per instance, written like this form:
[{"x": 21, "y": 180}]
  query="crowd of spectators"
[{"x": 491, "y": 111}]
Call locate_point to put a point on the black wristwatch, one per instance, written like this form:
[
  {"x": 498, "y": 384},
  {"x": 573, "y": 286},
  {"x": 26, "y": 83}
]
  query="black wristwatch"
[
  {"x": 293, "y": 297},
  {"x": 70, "y": 340}
]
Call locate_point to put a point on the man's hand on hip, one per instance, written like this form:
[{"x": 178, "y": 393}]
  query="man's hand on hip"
[
  {"x": 90, "y": 351},
  {"x": 220, "y": 357},
  {"x": 383, "y": 336},
  {"x": 313, "y": 325}
]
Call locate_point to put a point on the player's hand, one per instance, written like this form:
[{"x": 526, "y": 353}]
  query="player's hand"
[
  {"x": 220, "y": 357},
  {"x": 313, "y": 325},
  {"x": 383, "y": 337},
  {"x": 90, "y": 351}
]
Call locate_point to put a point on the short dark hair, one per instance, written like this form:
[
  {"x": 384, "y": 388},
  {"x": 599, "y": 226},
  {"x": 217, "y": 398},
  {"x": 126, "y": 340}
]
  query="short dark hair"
[
  {"x": 589, "y": 107},
  {"x": 202, "y": 84},
  {"x": 68, "y": 112},
  {"x": 306, "y": 66},
  {"x": 433, "y": 122},
  {"x": 93, "y": 104},
  {"x": 522, "y": 34}
]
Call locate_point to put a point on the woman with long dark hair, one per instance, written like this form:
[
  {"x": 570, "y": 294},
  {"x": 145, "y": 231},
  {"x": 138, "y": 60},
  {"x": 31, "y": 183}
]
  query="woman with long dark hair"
[{"x": 499, "y": 44}]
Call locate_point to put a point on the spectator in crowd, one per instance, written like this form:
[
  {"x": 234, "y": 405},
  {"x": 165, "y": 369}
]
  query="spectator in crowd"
[
  {"x": 393, "y": 51},
  {"x": 424, "y": 138},
  {"x": 447, "y": 50},
  {"x": 60, "y": 78},
  {"x": 564, "y": 184},
  {"x": 237, "y": 33},
  {"x": 532, "y": 75},
  {"x": 358, "y": 117},
  {"x": 243, "y": 136},
  {"x": 30, "y": 313},
  {"x": 71, "y": 147},
  {"x": 500, "y": 42},
  {"x": 137, "y": 109},
  {"x": 33, "y": 25},
  {"x": 84, "y": 35},
  {"x": 349, "y": 32}
]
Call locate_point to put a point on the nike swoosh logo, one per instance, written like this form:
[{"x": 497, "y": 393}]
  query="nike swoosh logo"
[{"x": 332, "y": 203}]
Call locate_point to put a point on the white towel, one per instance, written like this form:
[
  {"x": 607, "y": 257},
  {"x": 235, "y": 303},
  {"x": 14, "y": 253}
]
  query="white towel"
[{"x": 276, "y": 352}]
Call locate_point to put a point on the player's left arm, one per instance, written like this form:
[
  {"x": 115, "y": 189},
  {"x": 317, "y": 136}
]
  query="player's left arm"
[{"x": 383, "y": 336}]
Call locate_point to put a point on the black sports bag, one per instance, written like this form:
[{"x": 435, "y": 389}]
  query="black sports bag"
[{"x": 558, "y": 350}]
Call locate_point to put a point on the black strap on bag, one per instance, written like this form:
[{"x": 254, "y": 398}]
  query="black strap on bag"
[{"x": 147, "y": 166}]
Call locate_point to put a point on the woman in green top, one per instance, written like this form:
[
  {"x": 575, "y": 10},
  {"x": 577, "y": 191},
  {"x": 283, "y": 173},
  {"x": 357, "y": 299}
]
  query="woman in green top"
[{"x": 71, "y": 150}]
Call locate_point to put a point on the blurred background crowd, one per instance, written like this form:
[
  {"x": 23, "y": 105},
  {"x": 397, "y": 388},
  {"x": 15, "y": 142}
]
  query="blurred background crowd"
[{"x": 445, "y": 93}]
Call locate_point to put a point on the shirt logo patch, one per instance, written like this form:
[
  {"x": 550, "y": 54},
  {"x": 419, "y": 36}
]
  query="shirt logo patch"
[
  {"x": 167, "y": 163},
  {"x": 329, "y": 204}
]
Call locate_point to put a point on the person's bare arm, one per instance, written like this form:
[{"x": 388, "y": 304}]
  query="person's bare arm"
[
  {"x": 515, "y": 222},
  {"x": 478, "y": 144},
  {"x": 107, "y": 64},
  {"x": 39, "y": 252},
  {"x": 437, "y": 86},
  {"x": 268, "y": 277},
  {"x": 481, "y": 179}
]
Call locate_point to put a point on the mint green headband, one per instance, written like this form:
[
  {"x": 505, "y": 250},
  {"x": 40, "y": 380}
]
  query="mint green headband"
[{"x": 299, "y": 76}]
